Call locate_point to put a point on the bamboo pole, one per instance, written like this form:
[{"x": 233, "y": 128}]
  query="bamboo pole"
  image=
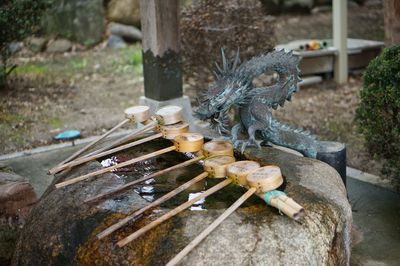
[
  {"x": 155, "y": 203},
  {"x": 211, "y": 227},
  {"x": 283, "y": 203},
  {"x": 111, "y": 168},
  {"x": 150, "y": 126},
  {"x": 102, "y": 154},
  {"x": 130, "y": 184},
  {"x": 173, "y": 212},
  {"x": 76, "y": 154}
]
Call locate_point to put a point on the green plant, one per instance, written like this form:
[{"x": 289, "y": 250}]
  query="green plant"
[
  {"x": 18, "y": 19},
  {"x": 379, "y": 111}
]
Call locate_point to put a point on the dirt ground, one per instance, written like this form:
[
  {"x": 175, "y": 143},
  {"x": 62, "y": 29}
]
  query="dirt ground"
[
  {"x": 328, "y": 110},
  {"x": 89, "y": 90}
]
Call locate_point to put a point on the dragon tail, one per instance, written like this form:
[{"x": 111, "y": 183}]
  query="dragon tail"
[{"x": 294, "y": 138}]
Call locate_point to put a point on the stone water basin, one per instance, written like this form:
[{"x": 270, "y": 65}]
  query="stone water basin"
[{"x": 61, "y": 229}]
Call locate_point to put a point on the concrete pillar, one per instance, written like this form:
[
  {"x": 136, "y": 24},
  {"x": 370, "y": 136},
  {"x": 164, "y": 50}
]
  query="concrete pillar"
[{"x": 340, "y": 40}]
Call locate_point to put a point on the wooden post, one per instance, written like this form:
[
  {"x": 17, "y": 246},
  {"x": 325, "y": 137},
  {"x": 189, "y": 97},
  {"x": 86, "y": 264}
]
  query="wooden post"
[
  {"x": 340, "y": 40},
  {"x": 391, "y": 13},
  {"x": 161, "y": 60}
]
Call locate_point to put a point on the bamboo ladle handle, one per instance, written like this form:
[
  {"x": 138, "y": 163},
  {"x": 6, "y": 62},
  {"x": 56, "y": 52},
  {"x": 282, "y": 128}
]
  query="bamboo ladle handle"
[
  {"x": 130, "y": 184},
  {"x": 76, "y": 154},
  {"x": 217, "y": 171},
  {"x": 136, "y": 114},
  {"x": 167, "y": 115},
  {"x": 211, "y": 227},
  {"x": 187, "y": 142},
  {"x": 210, "y": 149},
  {"x": 151, "y": 125},
  {"x": 102, "y": 154},
  {"x": 173, "y": 212},
  {"x": 155, "y": 203},
  {"x": 111, "y": 168}
]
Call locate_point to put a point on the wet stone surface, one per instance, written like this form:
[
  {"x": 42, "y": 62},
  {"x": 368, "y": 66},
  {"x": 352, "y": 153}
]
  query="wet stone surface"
[{"x": 62, "y": 229}]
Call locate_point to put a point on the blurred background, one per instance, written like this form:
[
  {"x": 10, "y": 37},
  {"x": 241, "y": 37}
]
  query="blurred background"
[{"x": 79, "y": 63}]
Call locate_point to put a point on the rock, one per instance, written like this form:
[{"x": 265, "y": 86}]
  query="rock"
[
  {"x": 17, "y": 198},
  {"x": 59, "y": 46},
  {"x": 124, "y": 11},
  {"x": 277, "y": 6},
  {"x": 254, "y": 235},
  {"x": 4, "y": 167},
  {"x": 15, "y": 47},
  {"x": 116, "y": 42},
  {"x": 37, "y": 44},
  {"x": 78, "y": 20},
  {"x": 129, "y": 33},
  {"x": 321, "y": 9}
]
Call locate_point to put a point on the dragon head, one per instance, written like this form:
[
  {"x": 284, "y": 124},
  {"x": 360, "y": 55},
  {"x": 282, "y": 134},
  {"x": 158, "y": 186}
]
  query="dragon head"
[
  {"x": 213, "y": 108},
  {"x": 226, "y": 91}
]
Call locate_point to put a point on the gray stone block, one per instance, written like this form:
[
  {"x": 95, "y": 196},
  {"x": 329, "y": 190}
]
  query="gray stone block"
[
  {"x": 116, "y": 42},
  {"x": 129, "y": 33},
  {"x": 59, "y": 46},
  {"x": 78, "y": 20}
]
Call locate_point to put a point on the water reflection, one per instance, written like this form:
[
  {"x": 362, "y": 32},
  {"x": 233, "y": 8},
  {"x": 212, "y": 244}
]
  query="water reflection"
[
  {"x": 198, "y": 205},
  {"x": 147, "y": 189}
]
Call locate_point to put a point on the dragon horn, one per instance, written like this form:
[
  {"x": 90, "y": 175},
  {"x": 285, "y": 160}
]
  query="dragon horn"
[
  {"x": 236, "y": 62},
  {"x": 224, "y": 63},
  {"x": 218, "y": 67}
]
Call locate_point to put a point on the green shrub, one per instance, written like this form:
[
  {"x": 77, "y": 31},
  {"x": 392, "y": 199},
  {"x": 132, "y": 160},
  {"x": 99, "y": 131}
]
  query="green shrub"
[
  {"x": 18, "y": 19},
  {"x": 379, "y": 111}
]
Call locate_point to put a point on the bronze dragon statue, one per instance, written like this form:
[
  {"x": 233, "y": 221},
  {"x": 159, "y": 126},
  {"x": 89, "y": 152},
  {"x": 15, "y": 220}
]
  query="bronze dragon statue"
[{"x": 233, "y": 87}]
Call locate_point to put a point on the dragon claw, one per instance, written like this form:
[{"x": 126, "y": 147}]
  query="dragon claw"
[
  {"x": 222, "y": 130},
  {"x": 243, "y": 144}
]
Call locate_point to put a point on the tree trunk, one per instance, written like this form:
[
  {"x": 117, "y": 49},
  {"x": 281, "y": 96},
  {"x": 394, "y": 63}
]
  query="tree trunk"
[{"x": 392, "y": 22}]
